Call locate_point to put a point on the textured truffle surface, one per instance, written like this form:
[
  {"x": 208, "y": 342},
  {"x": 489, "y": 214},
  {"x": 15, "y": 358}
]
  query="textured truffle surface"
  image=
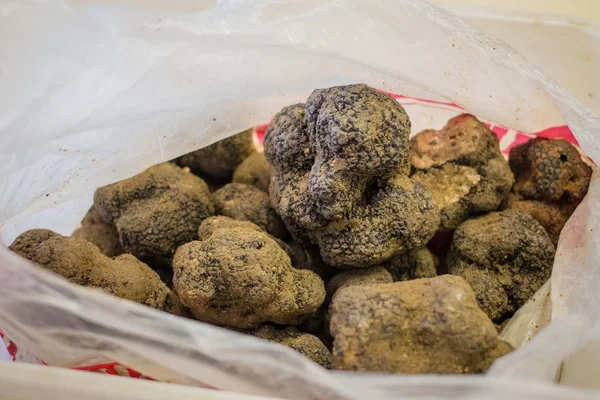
[
  {"x": 239, "y": 276},
  {"x": 415, "y": 327},
  {"x": 156, "y": 211},
  {"x": 463, "y": 168},
  {"x": 505, "y": 256},
  {"x": 340, "y": 177},
  {"x": 82, "y": 263}
]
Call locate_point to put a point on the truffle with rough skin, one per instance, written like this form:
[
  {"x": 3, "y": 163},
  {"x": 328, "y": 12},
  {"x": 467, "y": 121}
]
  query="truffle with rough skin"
[
  {"x": 82, "y": 263},
  {"x": 421, "y": 326},
  {"x": 340, "y": 177},
  {"x": 505, "y": 256},
  {"x": 156, "y": 211},
  {"x": 415, "y": 264},
  {"x": 96, "y": 231},
  {"x": 357, "y": 277},
  {"x": 254, "y": 170},
  {"x": 463, "y": 168},
  {"x": 220, "y": 159},
  {"x": 551, "y": 180},
  {"x": 248, "y": 203},
  {"x": 240, "y": 277},
  {"x": 308, "y": 345}
]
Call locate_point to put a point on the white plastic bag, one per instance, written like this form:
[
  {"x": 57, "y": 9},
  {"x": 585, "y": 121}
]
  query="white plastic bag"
[{"x": 94, "y": 92}]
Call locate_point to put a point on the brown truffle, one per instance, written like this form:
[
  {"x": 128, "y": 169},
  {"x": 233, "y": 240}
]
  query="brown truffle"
[
  {"x": 254, "y": 170},
  {"x": 463, "y": 168},
  {"x": 156, "y": 211},
  {"x": 240, "y": 277},
  {"x": 415, "y": 327},
  {"x": 340, "y": 177},
  {"x": 82, "y": 263},
  {"x": 505, "y": 256},
  {"x": 308, "y": 345},
  {"x": 103, "y": 235},
  {"x": 551, "y": 181},
  {"x": 248, "y": 203},
  {"x": 220, "y": 159},
  {"x": 415, "y": 264}
]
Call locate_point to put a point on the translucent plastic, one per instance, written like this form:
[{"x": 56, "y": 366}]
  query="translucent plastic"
[{"x": 94, "y": 92}]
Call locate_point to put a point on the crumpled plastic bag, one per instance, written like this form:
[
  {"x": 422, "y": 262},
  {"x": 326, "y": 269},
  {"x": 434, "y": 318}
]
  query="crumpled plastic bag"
[{"x": 96, "y": 91}]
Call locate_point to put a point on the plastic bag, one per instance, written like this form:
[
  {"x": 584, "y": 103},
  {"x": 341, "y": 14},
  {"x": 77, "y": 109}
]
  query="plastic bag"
[{"x": 94, "y": 92}]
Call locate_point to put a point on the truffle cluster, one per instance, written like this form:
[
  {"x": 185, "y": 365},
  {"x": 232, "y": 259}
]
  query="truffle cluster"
[{"x": 347, "y": 242}]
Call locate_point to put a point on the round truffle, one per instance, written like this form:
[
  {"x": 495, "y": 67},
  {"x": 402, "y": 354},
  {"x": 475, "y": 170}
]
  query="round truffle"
[
  {"x": 551, "y": 181},
  {"x": 240, "y": 277},
  {"x": 415, "y": 327},
  {"x": 505, "y": 256}
]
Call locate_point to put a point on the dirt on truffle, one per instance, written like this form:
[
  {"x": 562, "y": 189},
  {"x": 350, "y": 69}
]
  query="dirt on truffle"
[
  {"x": 340, "y": 178},
  {"x": 505, "y": 256},
  {"x": 254, "y": 170},
  {"x": 421, "y": 326},
  {"x": 99, "y": 233},
  {"x": 551, "y": 181},
  {"x": 463, "y": 168},
  {"x": 82, "y": 263},
  {"x": 220, "y": 159},
  {"x": 248, "y": 203},
  {"x": 415, "y": 264},
  {"x": 308, "y": 345},
  {"x": 240, "y": 277},
  {"x": 156, "y": 211}
]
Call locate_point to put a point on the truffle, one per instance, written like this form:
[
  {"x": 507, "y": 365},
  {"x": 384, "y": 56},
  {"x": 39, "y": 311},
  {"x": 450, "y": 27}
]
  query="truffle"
[
  {"x": 82, "y": 263},
  {"x": 340, "y": 177},
  {"x": 416, "y": 327},
  {"x": 220, "y": 159},
  {"x": 463, "y": 168},
  {"x": 505, "y": 256},
  {"x": 551, "y": 180},
  {"x": 102, "y": 235},
  {"x": 248, "y": 203},
  {"x": 308, "y": 345},
  {"x": 156, "y": 211},
  {"x": 240, "y": 277},
  {"x": 254, "y": 170}
]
